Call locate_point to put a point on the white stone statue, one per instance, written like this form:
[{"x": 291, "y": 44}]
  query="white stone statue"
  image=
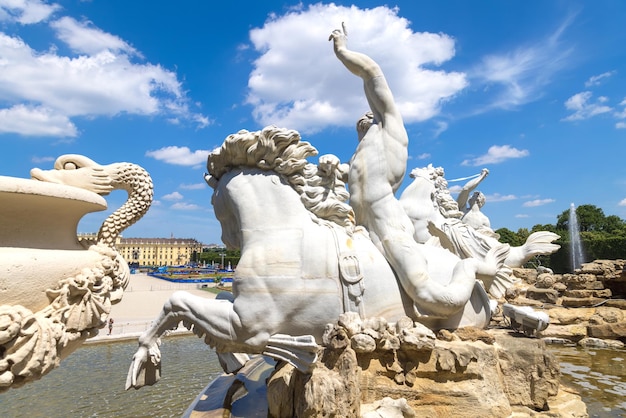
[
  {"x": 377, "y": 169},
  {"x": 55, "y": 292},
  {"x": 471, "y": 205},
  {"x": 308, "y": 256},
  {"x": 467, "y": 233}
]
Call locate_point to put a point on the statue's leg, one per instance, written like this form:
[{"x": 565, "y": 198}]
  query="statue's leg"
[{"x": 215, "y": 319}]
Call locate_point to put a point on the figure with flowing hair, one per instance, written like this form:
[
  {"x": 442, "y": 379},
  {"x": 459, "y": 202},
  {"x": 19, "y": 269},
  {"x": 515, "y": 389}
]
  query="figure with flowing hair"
[{"x": 377, "y": 169}]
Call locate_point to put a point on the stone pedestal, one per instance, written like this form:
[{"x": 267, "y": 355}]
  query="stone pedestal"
[{"x": 492, "y": 374}]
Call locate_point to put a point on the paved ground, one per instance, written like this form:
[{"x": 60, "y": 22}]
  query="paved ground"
[{"x": 142, "y": 302}]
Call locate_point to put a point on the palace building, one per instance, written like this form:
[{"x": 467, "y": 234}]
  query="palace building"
[{"x": 156, "y": 251}]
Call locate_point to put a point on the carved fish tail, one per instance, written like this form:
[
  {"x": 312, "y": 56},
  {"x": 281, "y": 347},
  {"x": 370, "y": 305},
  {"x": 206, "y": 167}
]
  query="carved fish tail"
[{"x": 138, "y": 183}]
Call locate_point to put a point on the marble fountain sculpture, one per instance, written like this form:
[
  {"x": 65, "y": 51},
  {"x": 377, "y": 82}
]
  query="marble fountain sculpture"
[
  {"x": 57, "y": 291},
  {"x": 314, "y": 256}
]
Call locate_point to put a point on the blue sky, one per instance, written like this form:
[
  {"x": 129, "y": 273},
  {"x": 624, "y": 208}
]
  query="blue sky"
[{"x": 535, "y": 91}]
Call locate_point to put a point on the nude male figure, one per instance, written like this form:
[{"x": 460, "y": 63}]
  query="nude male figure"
[{"x": 377, "y": 169}]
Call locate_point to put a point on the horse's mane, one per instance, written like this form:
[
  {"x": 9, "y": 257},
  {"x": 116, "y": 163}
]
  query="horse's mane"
[{"x": 321, "y": 187}]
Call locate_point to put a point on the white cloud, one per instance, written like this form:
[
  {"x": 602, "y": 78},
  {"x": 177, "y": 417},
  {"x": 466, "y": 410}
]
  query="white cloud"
[
  {"x": 185, "y": 206},
  {"x": 195, "y": 186},
  {"x": 622, "y": 114},
  {"x": 441, "y": 128},
  {"x": 517, "y": 77},
  {"x": 497, "y": 154},
  {"x": 537, "y": 202},
  {"x": 26, "y": 11},
  {"x": 583, "y": 109},
  {"x": 521, "y": 216},
  {"x": 497, "y": 197},
  {"x": 179, "y": 155},
  {"x": 87, "y": 39},
  {"x": 622, "y": 202},
  {"x": 42, "y": 90},
  {"x": 620, "y": 125},
  {"x": 35, "y": 121},
  {"x": 173, "y": 196},
  {"x": 596, "y": 79},
  {"x": 39, "y": 160},
  {"x": 298, "y": 82},
  {"x": 423, "y": 156}
]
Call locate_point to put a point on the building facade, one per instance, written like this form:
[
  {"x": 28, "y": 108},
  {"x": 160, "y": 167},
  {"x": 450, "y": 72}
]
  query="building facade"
[{"x": 159, "y": 251}]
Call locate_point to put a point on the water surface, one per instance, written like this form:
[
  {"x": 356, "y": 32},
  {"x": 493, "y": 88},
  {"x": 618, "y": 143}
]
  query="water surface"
[
  {"x": 598, "y": 375},
  {"x": 90, "y": 382}
]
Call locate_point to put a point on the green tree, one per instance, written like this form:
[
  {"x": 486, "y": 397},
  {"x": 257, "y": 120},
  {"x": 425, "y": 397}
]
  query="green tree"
[
  {"x": 523, "y": 234},
  {"x": 544, "y": 227},
  {"x": 590, "y": 218},
  {"x": 614, "y": 225},
  {"x": 508, "y": 237}
]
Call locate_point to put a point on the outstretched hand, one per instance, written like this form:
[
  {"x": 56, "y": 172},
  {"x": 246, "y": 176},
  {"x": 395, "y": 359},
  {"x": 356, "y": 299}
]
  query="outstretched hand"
[
  {"x": 145, "y": 369},
  {"x": 339, "y": 36}
]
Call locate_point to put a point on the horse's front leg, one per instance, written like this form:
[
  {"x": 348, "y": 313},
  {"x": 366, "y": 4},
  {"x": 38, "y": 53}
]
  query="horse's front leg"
[{"x": 215, "y": 318}]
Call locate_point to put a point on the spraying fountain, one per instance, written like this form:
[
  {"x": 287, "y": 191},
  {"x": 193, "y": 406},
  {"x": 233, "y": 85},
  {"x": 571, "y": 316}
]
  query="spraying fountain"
[{"x": 576, "y": 246}]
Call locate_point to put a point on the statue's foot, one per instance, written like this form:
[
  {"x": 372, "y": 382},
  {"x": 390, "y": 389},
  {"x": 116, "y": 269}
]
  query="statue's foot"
[
  {"x": 145, "y": 369},
  {"x": 300, "y": 352}
]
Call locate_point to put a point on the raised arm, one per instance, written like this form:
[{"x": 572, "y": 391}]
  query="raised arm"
[
  {"x": 464, "y": 194},
  {"x": 376, "y": 88},
  {"x": 357, "y": 63}
]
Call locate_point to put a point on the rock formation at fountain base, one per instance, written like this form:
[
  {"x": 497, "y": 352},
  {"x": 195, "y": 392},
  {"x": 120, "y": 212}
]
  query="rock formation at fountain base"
[{"x": 466, "y": 373}]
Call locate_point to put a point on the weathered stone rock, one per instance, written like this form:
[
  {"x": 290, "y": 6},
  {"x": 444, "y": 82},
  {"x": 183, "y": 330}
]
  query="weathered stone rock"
[
  {"x": 610, "y": 331},
  {"x": 351, "y": 321},
  {"x": 573, "y": 331},
  {"x": 577, "y": 281},
  {"x": 377, "y": 324},
  {"x": 445, "y": 335},
  {"x": 529, "y": 302},
  {"x": 586, "y": 293},
  {"x": 545, "y": 281},
  {"x": 616, "y": 303},
  {"x": 595, "y": 285},
  {"x": 331, "y": 390},
  {"x": 580, "y": 302},
  {"x": 566, "y": 403},
  {"x": 387, "y": 408},
  {"x": 594, "y": 268},
  {"x": 600, "y": 343},
  {"x": 404, "y": 323},
  {"x": 510, "y": 378},
  {"x": 531, "y": 372},
  {"x": 363, "y": 343},
  {"x": 474, "y": 334},
  {"x": 280, "y": 392},
  {"x": 564, "y": 316},
  {"x": 527, "y": 275},
  {"x": 389, "y": 342},
  {"x": 587, "y": 300},
  {"x": 414, "y": 340},
  {"x": 610, "y": 314},
  {"x": 543, "y": 295},
  {"x": 511, "y": 293}
]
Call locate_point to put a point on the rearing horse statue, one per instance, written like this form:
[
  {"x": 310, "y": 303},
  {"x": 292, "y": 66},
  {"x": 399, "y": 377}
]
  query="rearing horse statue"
[{"x": 303, "y": 261}]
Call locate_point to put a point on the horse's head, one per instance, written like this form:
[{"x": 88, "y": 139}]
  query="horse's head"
[
  {"x": 251, "y": 199},
  {"x": 280, "y": 157}
]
